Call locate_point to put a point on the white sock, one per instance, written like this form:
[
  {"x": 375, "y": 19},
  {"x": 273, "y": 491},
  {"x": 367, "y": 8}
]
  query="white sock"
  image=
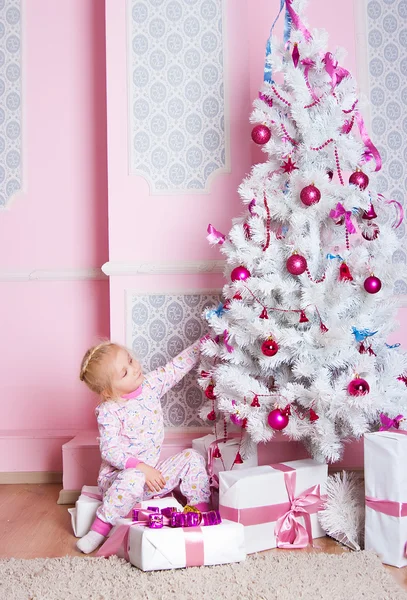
[{"x": 89, "y": 542}]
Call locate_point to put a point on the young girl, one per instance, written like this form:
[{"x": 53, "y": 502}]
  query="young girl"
[{"x": 131, "y": 429}]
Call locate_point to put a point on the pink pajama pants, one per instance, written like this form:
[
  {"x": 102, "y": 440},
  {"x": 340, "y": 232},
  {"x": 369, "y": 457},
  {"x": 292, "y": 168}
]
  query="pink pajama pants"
[{"x": 128, "y": 487}]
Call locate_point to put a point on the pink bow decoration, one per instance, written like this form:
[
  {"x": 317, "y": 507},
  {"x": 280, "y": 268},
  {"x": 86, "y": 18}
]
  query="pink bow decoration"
[
  {"x": 399, "y": 209},
  {"x": 387, "y": 423},
  {"x": 297, "y": 21},
  {"x": 335, "y": 72},
  {"x": 371, "y": 150},
  {"x": 289, "y": 531},
  {"x": 215, "y": 236},
  {"x": 339, "y": 212}
]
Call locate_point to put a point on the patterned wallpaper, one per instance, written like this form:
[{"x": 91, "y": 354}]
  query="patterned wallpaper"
[
  {"x": 161, "y": 327},
  {"x": 10, "y": 100},
  {"x": 176, "y": 120},
  {"x": 387, "y": 49}
]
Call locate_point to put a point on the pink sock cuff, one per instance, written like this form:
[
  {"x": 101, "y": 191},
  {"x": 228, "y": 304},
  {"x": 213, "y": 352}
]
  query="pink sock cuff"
[{"x": 101, "y": 527}]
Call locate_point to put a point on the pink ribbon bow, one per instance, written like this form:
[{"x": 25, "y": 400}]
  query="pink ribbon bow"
[
  {"x": 335, "y": 72},
  {"x": 371, "y": 150},
  {"x": 340, "y": 211},
  {"x": 387, "y": 423},
  {"x": 297, "y": 21},
  {"x": 399, "y": 208},
  {"x": 215, "y": 236},
  {"x": 289, "y": 531}
]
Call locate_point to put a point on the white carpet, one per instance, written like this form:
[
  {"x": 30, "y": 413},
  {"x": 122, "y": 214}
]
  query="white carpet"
[{"x": 268, "y": 576}]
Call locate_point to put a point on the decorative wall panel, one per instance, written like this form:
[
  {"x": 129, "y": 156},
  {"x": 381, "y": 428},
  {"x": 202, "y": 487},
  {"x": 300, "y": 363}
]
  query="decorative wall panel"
[
  {"x": 176, "y": 83},
  {"x": 387, "y": 49},
  {"x": 159, "y": 328},
  {"x": 10, "y": 100}
]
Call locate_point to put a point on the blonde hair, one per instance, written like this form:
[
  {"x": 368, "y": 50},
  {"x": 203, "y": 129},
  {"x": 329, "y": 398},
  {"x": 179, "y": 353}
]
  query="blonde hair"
[{"x": 95, "y": 371}]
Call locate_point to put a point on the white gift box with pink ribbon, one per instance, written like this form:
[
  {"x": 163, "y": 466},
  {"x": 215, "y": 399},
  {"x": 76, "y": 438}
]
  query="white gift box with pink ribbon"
[
  {"x": 175, "y": 548},
  {"x": 84, "y": 513},
  {"x": 277, "y": 504},
  {"x": 386, "y": 495}
]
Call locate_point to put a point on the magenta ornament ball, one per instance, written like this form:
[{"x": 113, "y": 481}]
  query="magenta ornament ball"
[
  {"x": 277, "y": 420},
  {"x": 372, "y": 284},
  {"x": 240, "y": 274},
  {"x": 310, "y": 195},
  {"x": 296, "y": 264},
  {"x": 358, "y": 387},
  {"x": 261, "y": 134},
  {"x": 360, "y": 179}
]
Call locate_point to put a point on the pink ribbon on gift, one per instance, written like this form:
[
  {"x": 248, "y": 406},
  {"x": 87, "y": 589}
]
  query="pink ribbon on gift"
[
  {"x": 194, "y": 545},
  {"x": 215, "y": 236},
  {"x": 297, "y": 21},
  {"x": 289, "y": 531},
  {"x": 387, "y": 507},
  {"x": 340, "y": 211},
  {"x": 94, "y": 496}
]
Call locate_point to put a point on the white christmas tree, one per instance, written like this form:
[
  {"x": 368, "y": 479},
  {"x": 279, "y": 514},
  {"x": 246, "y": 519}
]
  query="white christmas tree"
[{"x": 299, "y": 343}]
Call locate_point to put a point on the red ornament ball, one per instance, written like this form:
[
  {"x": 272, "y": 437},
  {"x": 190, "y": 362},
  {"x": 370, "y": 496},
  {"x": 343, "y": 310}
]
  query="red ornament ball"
[
  {"x": 209, "y": 392},
  {"x": 310, "y": 195},
  {"x": 211, "y": 416},
  {"x": 261, "y": 134},
  {"x": 360, "y": 179},
  {"x": 277, "y": 419},
  {"x": 358, "y": 387},
  {"x": 240, "y": 274},
  {"x": 371, "y": 232},
  {"x": 372, "y": 284},
  {"x": 269, "y": 347},
  {"x": 296, "y": 264}
]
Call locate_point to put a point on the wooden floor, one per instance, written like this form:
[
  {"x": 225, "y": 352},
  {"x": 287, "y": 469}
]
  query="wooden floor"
[{"x": 33, "y": 525}]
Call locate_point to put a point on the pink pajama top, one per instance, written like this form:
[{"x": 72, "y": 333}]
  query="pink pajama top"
[{"x": 132, "y": 428}]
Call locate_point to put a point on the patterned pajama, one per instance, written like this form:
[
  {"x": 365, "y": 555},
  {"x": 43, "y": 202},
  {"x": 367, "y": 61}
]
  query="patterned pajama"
[{"x": 132, "y": 431}]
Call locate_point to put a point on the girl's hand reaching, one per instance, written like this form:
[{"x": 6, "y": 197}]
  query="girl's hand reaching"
[{"x": 154, "y": 480}]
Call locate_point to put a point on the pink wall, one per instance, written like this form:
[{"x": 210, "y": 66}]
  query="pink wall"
[{"x": 59, "y": 224}]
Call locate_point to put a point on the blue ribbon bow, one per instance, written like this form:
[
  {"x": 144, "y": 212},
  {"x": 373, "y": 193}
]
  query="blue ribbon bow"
[
  {"x": 362, "y": 334},
  {"x": 393, "y": 346},
  {"x": 216, "y": 311}
]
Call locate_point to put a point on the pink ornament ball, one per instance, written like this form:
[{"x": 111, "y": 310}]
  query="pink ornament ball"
[
  {"x": 296, "y": 264},
  {"x": 360, "y": 179},
  {"x": 277, "y": 420},
  {"x": 261, "y": 134},
  {"x": 372, "y": 284},
  {"x": 310, "y": 195},
  {"x": 358, "y": 387},
  {"x": 240, "y": 274}
]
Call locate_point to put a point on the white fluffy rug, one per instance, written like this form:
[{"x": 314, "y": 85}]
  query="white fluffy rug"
[{"x": 268, "y": 576}]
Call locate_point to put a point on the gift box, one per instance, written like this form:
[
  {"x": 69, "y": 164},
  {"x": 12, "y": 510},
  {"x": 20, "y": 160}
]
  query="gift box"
[
  {"x": 84, "y": 513},
  {"x": 206, "y": 446},
  {"x": 277, "y": 504},
  {"x": 386, "y": 495},
  {"x": 153, "y": 549}
]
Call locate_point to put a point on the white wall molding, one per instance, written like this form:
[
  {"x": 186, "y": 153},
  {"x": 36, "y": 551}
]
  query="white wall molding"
[
  {"x": 164, "y": 268},
  {"x": 51, "y": 275}
]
